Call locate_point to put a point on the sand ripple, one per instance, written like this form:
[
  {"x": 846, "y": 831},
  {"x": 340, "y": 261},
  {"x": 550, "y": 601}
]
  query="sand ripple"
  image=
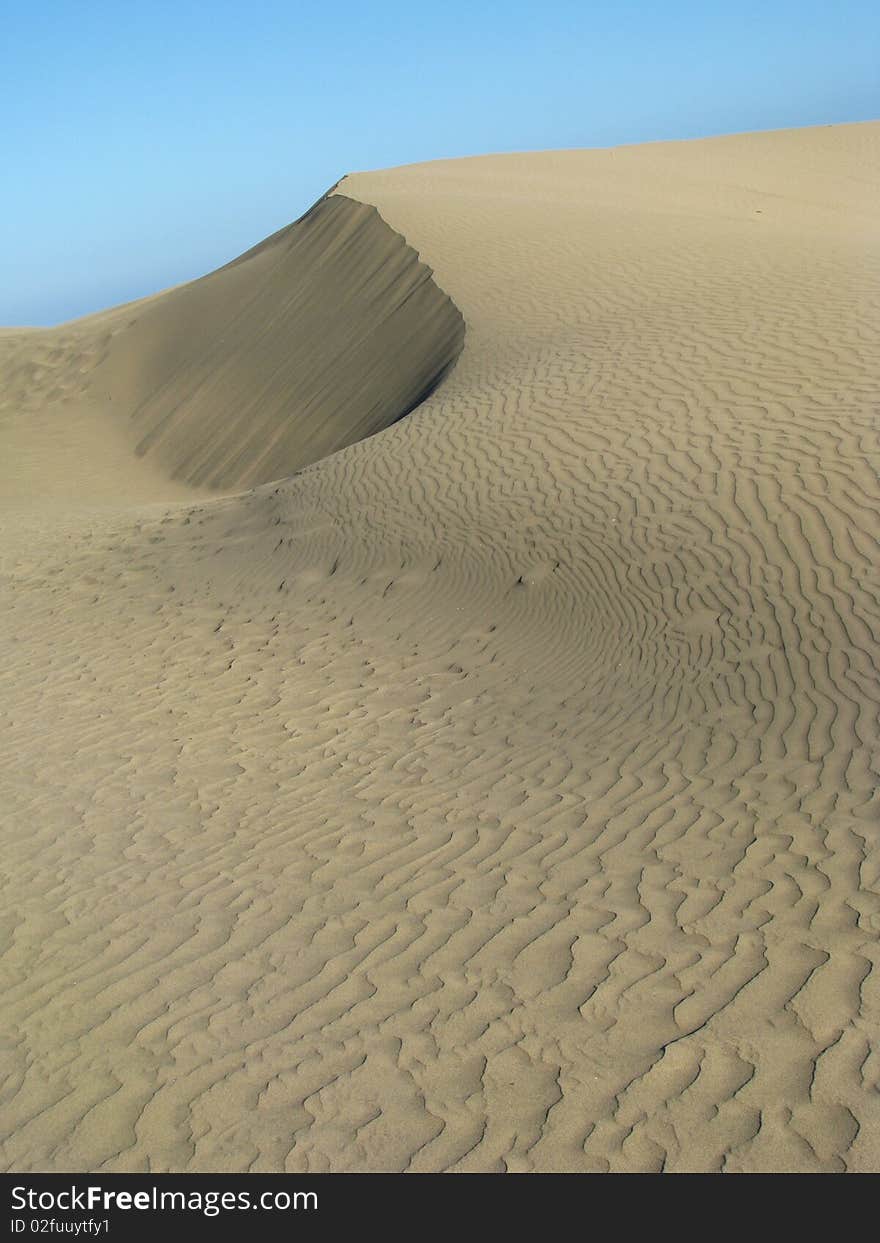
[{"x": 501, "y": 792}]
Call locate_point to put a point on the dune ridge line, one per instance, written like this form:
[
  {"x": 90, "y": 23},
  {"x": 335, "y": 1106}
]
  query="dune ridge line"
[{"x": 326, "y": 332}]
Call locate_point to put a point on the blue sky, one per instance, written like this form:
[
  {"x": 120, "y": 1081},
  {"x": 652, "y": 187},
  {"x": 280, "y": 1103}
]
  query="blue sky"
[{"x": 146, "y": 144}]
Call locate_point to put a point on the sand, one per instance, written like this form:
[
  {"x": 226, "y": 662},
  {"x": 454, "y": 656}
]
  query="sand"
[{"x": 500, "y": 791}]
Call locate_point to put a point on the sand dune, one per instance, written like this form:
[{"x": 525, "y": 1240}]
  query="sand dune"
[
  {"x": 325, "y": 333},
  {"x": 499, "y": 792}
]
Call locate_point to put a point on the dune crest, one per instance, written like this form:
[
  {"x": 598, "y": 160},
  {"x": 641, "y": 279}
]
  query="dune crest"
[{"x": 323, "y": 334}]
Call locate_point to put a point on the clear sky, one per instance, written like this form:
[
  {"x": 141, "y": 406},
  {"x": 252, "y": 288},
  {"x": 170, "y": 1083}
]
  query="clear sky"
[{"x": 144, "y": 144}]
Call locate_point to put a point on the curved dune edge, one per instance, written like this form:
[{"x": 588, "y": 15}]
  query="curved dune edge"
[{"x": 325, "y": 333}]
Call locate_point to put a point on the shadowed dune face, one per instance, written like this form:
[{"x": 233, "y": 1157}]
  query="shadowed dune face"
[
  {"x": 324, "y": 334},
  {"x": 500, "y": 792}
]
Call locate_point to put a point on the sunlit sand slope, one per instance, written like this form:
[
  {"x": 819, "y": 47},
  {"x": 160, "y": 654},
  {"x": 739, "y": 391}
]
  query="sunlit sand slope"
[{"x": 499, "y": 793}]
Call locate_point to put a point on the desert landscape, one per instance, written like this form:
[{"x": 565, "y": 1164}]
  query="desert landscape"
[{"x": 440, "y": 682}]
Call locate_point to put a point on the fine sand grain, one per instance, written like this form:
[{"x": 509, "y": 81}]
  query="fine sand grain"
[{"x": 500, "y": 791}]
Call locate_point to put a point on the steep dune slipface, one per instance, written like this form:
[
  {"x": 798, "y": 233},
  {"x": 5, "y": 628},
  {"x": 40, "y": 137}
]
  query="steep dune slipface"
[
  {"x": 324, "y": 333},
  {"x": 499, "y": 793}
]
